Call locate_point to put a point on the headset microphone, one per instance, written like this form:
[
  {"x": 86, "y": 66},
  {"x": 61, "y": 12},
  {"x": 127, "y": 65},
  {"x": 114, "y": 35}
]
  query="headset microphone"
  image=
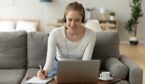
[
  {"x": 66, "y": 43},
  {"x": 65, "y": 27}
]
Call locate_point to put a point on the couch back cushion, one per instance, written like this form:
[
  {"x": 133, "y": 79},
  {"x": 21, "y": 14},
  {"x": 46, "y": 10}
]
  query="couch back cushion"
[
  {"x": 107, "y": 45},
  {"x": 37, "y": 49},
  {"x": 13, "y": 51}
]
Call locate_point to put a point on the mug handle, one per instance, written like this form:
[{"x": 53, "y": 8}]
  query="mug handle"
[{"x": 100, "y": 74}]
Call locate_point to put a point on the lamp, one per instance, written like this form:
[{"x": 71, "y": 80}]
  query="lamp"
[
  {"x": 102, "y": 14},
  {"x": 102, "y": 10},
  {"x": 45, "y": 0}
]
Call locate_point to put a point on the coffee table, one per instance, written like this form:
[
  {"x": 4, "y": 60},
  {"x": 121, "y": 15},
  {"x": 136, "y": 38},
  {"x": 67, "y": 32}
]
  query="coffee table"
[{"x": 98, "y": 82}]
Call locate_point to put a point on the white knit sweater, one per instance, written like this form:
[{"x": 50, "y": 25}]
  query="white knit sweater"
[{"x": 64, "y": 49}]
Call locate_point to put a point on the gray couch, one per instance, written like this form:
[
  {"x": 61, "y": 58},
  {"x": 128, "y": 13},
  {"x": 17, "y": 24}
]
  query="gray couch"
[{"x": 21, "y": 53}]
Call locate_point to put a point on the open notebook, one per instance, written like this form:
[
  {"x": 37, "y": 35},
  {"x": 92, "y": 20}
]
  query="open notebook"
[{"x": 36, "y": 80}]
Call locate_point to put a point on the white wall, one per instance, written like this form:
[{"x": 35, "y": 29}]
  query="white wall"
[{"x": 50, "y": 12}]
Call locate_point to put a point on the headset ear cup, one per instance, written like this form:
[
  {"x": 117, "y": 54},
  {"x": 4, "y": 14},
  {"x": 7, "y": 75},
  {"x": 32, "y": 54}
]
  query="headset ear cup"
[
  {"x": 64, "y": 19},
  {"x": 83, "y": 19}
]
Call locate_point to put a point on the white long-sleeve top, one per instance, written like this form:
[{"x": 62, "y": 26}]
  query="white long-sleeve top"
[{"x": 63, "y": 49}]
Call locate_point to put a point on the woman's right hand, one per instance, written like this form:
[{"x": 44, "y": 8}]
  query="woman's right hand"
[{"x": 42, "y": 74}]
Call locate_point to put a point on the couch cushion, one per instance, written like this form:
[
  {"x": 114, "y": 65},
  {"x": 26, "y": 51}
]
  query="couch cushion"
[
  {"x": 13, "y": 49},
  {"x": 37, "y": 48},
  {"x": 11, "y": 76},
  {"x": 107, "y": 45},
  {"x": 122, "y": 82},
  {"x": 29, "y": 73}
]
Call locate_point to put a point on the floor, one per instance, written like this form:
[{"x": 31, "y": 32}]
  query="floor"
[{"x": 136, "y": 53}]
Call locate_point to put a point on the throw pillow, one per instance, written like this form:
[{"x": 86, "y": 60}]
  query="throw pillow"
[
  {"x": 28, "y": 26},
  {"x": 7, "y": 26}
]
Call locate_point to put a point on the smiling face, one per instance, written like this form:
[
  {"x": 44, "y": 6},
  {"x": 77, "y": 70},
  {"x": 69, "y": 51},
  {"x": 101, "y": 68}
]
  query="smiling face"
[
  {"x": 74, "y": 15},
  {"x": 73, "y": 19}
]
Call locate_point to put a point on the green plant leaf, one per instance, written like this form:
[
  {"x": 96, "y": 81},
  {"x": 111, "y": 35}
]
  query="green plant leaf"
[{"x": 136, "y": 13}]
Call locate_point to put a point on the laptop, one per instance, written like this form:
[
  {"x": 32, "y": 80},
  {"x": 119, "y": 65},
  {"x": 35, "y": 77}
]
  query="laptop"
[{"x": 78, "y": 71}]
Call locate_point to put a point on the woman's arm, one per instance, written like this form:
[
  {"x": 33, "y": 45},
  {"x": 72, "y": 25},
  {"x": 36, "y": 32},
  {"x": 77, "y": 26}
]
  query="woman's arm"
[
  {"x": 51, "y": 51},
  {"x": 90, "y": 47}
]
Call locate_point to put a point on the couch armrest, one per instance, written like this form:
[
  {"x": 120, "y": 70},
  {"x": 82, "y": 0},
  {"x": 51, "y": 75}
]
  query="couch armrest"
[
  {"x": 116, "y": 68},
  {"x": 135, "y": 72}
]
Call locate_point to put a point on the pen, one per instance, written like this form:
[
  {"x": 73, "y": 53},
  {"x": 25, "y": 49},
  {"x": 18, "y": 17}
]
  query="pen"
[{"x": 40, "y": 67}]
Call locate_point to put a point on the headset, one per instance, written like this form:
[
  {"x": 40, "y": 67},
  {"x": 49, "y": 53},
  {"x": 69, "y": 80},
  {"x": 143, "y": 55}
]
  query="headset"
[
  {"x": 64, "y": 20},
  {"x": 83, "y": 19}
]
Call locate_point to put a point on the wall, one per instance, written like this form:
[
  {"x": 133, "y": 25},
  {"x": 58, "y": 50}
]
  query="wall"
[{"x": 50, "y": 12}]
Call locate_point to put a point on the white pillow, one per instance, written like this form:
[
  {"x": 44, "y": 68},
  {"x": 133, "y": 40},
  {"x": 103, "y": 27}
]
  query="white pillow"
[
  {"x": 93, "y": 25},
  {"x": 7, "y": 26},
  {"x": 28, "y": 26}
]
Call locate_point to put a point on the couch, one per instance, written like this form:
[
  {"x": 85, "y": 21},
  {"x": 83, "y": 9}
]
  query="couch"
[{"x": 21, "y": 53}]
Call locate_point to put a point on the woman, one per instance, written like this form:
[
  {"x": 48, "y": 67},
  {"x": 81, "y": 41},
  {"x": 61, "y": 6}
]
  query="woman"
[{"x": 70, "y": 42}]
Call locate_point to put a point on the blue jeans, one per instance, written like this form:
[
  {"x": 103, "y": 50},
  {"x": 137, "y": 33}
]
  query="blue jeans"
[{"x": 53, "y": 73}]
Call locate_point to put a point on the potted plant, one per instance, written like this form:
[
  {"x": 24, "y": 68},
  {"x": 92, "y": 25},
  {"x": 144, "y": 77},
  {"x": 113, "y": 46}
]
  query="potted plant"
[
  {"x": 112, "y": 15},
  {"x": 131, "y": 25}
]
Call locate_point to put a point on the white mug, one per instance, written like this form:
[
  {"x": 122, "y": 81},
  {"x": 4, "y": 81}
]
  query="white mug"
[{"x": 105, "y": 75}]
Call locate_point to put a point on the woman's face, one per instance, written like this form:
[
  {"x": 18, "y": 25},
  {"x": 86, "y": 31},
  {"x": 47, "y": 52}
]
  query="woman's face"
[{"x": 73, "y": 19}]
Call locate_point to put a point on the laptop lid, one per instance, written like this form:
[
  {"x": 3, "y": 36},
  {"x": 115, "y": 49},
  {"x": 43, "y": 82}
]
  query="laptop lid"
[{"x": 78, "y": 71}]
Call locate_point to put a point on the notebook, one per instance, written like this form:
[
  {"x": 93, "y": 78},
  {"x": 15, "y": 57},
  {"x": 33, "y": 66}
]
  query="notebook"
[
  {"x": 78, "y": 71},
  {"x": 36, "y": 80}
]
